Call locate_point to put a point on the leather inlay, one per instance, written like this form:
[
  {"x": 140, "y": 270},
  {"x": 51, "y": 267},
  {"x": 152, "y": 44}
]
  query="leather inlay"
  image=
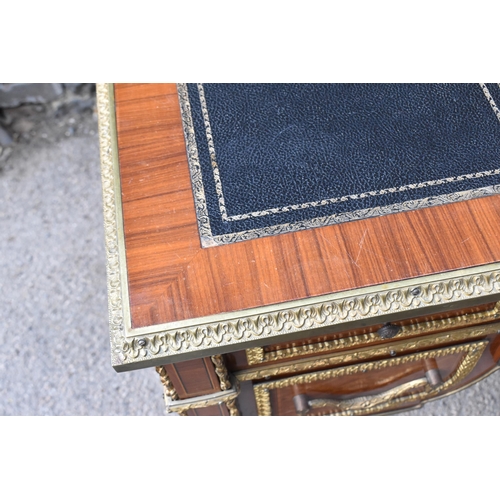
[{"x": 274, "y": 158}]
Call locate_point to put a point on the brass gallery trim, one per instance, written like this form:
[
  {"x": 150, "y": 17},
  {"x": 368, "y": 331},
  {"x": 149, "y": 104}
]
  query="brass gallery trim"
[
  {"x": 363, "y": 354},
  {"x": 472, "y": 351},
  {"x": 217, "y": 398},
  {"x": 257, "y": 355},
  {"x": 167, "y": 343}
]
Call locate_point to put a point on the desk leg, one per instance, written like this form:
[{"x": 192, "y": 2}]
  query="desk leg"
[{"x": 200, "y": 387}]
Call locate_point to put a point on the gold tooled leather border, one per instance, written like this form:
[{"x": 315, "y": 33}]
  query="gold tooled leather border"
[{"x": 208, "y": 239}]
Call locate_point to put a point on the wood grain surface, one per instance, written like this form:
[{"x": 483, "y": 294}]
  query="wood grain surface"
[
  {"x": 172, "y": 278},
  {"x": 193, "y": 378}
]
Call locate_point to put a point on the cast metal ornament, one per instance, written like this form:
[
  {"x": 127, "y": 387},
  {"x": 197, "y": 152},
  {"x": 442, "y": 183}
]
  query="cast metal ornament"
[
  {"x": 225, "y": 383},
  {"x": 167, "y": 383},
  {"x": 233, "y": 409},
  {"x": 221, "y": 371},
  {"x": 226, "y": 396}
]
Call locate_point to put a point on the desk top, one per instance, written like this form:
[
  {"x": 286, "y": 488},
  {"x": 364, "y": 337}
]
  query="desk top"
[{"x": 171, "y": 299}]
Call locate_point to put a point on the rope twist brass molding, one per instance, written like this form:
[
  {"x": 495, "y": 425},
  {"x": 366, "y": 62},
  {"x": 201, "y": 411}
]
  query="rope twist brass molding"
[
  {"x": 169, "y": 392},
  {"x": 263, "y": 401},
  {"x": 225, "y": 383},
  {"x": 221, "y": 371},
  {"x": 167, "y": 383}
]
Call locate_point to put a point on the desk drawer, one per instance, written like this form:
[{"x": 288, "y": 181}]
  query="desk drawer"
[
  {"x": 380, "y": 350},
  {"x": 374, "y": 387},
  {"x": 368, "y": 336}
]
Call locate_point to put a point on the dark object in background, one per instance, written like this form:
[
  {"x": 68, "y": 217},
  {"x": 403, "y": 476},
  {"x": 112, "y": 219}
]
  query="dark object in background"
[
  {"x": 43, "y": 112},
  {"x": 16, "y": 94}
]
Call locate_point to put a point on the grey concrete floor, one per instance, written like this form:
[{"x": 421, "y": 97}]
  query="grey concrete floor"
[{"x": 54, "y": 358}]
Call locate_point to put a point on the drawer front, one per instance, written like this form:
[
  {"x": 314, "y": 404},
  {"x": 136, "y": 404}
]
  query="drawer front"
[
  {"x": 373, "y": 387},
  {"x": 378, "y": 351},
  {"x": 370, "y": 336}
]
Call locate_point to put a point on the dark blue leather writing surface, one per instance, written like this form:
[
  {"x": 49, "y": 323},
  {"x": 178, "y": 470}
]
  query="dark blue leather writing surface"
[{"x": 273, "y": 158}]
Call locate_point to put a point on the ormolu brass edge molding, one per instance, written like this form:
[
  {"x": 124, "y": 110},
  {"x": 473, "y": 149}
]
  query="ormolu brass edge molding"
[
  {"x": 472, "y": 351},
  {"x": 154, "y": 347},
  {"x": 166, "y": 343},
  {"x": 363, "y": 354},
  {"x": 113, "y": 225},
  {"x": 183, "y": 405},
  {"x": 258, "y": 355}
]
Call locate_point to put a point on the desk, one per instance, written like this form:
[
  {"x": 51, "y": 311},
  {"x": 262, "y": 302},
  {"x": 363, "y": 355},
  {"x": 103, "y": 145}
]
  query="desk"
[{"x": 370, "y": 316}]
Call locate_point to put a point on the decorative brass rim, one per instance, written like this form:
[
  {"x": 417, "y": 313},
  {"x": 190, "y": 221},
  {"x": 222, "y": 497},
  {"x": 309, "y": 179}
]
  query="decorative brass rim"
[{"x": 133, "y": 348}]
